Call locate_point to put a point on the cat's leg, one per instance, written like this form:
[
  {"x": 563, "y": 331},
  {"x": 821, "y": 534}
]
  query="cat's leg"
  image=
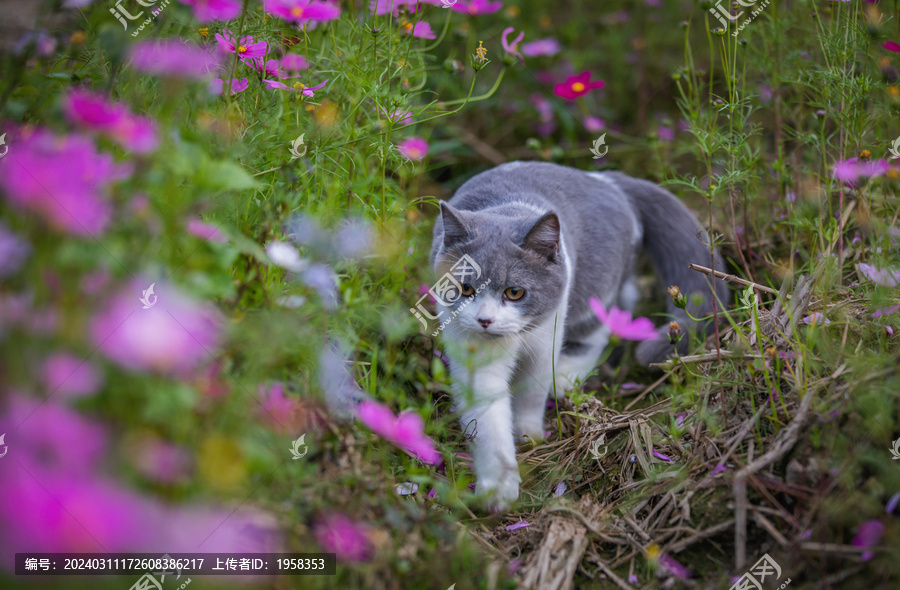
[
  {"x": 533, "y": 379},
  {"x": 580, "y": 358},
  {"x": 481, "y": 371}
]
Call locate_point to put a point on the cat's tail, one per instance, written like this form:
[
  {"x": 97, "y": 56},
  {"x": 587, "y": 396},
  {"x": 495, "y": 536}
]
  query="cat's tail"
[{"x": 674, "y": 238}]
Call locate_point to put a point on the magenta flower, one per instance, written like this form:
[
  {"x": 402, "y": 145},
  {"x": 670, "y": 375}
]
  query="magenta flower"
[
  {"x": 422, "y": 30},
  {"x": 849, "y": 171},
  {"x": 114, "y": 120},
  {"x": 413, "y": 148},
  {"x": 594, "y": 124},
  {"x": 476, "y": 7},
  {"x": 519, "y": 525},
  {"x": 659, "y": 455},
  {"x": 206, "y": 231},
  {"x": 13, "y": 252},
  {"x": 576, "y": 86},
  {"x": 398, "y": 115},
  {"x": 548, "y": 46},
  {"x": 405, "y": 431},
  {"x": 885, "y": 277},
  {"x": 718, "y": 469},
  {"x": 299, "y": 11},
  {"x": 160, "y": 460},
  {"x": 245, "y": 48},
  {"x": 339, "y": 534},
  {"x": 296, "y": 87},
  {"x": 393, "y": 6},
  {"x": 891, "y": 46},
  {"x": 217, "y": 85},
  {"x": 674, "y": 568},
  {"x": 69, "y": 376},
  {"x": 816, "y": 319},
  {"x": 883, "y": 311},
  {"x": 283, "y": 413},
  {"x": 271, "y": 68},
  {"x": 869, "y": 534},
  {"x": 172, "y": 336},
  {"x": 207, "y": 10},
  {"x": 174, "y": 58},
  {"x": 64, "y": 179},
  {"x": 292, "y": 62},
  {"x": 621, "y": 324},
  {"x": 512, "y": 48}
]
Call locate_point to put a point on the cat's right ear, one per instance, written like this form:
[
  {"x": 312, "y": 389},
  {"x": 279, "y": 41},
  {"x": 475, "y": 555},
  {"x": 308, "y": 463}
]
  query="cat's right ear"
[{"x": 455, "y": 230}]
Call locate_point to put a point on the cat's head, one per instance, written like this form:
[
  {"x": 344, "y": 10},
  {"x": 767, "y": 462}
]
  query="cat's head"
[{"x": 511, "y": 270}]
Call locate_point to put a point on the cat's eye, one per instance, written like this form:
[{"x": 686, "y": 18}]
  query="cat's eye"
[
  {"x": 467, "y": 289},
  {"x": 514, "y": 293}
]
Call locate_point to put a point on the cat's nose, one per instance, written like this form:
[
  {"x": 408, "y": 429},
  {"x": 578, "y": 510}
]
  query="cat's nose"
[{"x": 485, "y": 323}]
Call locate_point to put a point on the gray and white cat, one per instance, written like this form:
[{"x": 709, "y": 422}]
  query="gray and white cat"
[{"x": 546, "y": 239}]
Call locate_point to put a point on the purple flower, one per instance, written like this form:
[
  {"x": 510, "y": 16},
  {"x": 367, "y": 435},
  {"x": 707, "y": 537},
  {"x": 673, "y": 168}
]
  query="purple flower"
[
  {"x": 421, "y": 30},
  {"x": 620, "y": 323},
  {"x": 576, "y": 86},
  {"x": 476, "y": 7},
  {"x": 245, "y": 48},
  {"x": 301, "y": 11},
  {"x": 659, "y": 455},
  {"x": 869, "y": 534},
  {"x": 512, "y": 48},
  {"x": 851, "y": 170},
  {"x": 206, "y": 231},
  {"x": 720, "y": 468},
  {"x": 160, "y": 460},
  {"x": 339, "y": 534},
  {"x": 172, "y": 337},
  {"x": 519, "y": 525},
  {"x": 885, "y": 277},
  {"x": 89, "y": 110},
  {"x": 174, "y": 58},
  {"x": 64, "y": 179},
  {"x": 816, "y": 319},
  {"x": 892, "y": 503},
  {"x": 560, "y": 489},
  {"x": 673, "y": 567},
  {"x": 207, "y": 10},
  {"x": 294, "y": 63},
  {"x": 413, "y": 148},
  {"x": 13, "y": 252},
  {"x": 665, "y": 133},
  {"x": 324, "y": 281},
  {"x": 69, "y": 376},
  {"x": 297, "y": 86},
  {"x": 883, "y": 311},
  {"x": 217, "y": 85},
  {"x": 405, "y": 431},
  {"x": 594, "y": 124},
  {"x": 548, "y": 46},
  {"x": 891, "y": 46},
  {"x": 633, "y": 579}
]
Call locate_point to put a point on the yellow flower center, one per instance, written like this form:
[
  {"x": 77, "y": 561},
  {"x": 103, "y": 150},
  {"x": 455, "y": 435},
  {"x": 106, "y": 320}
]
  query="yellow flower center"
[
  {"x": 894, "y": 91},
  {"x": 865, "y": 155},
  {"x": 299, "y": 86},
  {"x": 578, "y": 87},
  {"x": 297, "y": 11},
  {"x": 407, "y": 26},
  {"x": 204, "y": 31},
  {"x": 242, "y": 49}
]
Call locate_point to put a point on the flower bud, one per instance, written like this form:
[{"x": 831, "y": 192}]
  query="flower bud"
[
  {"x": 677, "y": 298},
  {"x": 675, "y": 332}
]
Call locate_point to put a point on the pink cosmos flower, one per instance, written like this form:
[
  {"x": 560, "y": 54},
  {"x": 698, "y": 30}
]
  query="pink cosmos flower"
[
  {"x": 393, "y": 6},
  {"x": 885, "y": 277},
  {"x": 621, "y": 324},
  {"x": 64, "y": 179},
  {"x": 674, "y": 568},
  {"x": 174, "y": 58},
  {"x": 476, "y": 7},
  {"x": 519, "y": 525},
  {"x": 512, "y": 48},
  {"x": 398, "y": 115},
  {"x": 405, "y": 431},
  {"x": 283, "y": 413},
  {"x": 849, "y": 171},
  {"x": 299, "y": 11},
  {"x": 869, "y": 534},
  {"x": 206, "y": 231},
  {"x": 137, "y": 134},
  {"x": 207, "y": 10},
  {"x": 217, "y": 86},
  {"x": 297, "y": 86},
  {"x": 545, "y": 112},
  {"x": 422, "y": 30},
  {"x": 69, "y": 376},
  {"x": 413, "y": 148},
  {"x": 576, "y": 86},
  {"x": 245, "y": 48},
  {"x": 346, "y": 538},
  {"x": 891, "y": 46},
  {"x": 548, "y": 46},
  {"x": 173, "y": 336},
  {"x": 271, "y": 68},
  {"x": 594, "y": 124},
  {"x": 883, "y": 311},
  {"x": 659, "y": 455},
  {"x": 160, "y": 460},
  {"x": 292, "y": 62}
]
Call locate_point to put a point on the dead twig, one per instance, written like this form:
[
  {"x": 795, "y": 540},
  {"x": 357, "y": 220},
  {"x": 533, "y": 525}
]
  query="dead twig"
[{"x": 733, "y": 279}]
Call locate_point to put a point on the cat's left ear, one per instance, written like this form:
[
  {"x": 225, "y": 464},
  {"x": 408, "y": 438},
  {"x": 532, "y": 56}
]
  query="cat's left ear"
[{"x": 543, "y": 237}]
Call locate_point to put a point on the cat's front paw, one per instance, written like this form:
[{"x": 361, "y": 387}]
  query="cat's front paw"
[{"x": 500, "y": 492}]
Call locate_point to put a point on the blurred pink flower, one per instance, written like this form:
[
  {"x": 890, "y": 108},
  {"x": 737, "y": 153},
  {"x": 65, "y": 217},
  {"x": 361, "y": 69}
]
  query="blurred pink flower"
[
  {"x": 885, "y": 277},
  {"x": 519, "y": 525},
  {"x": 594, "y": 124},
  {"x": 393, "y": 6},
  {"x": 849, "y": 171},
  {"x": 207, "y": 10},
  {"x": 299, "y": 11},
  {"x": 413, "y": 148},
  {"x": 217, "y": 85},
  {"x": 173, "y": 336},
  {"x": 659, "y": 455},
  {"x": 621, "y": 324},
  {"x": 245, "y": 48},
  {"x": 512, "y": 48},
  {"x": 174, "y": 58},
  {"x": 891, "y": 46},
  {"x": 160, "y": 460},
  {"x": 285, "y": 414},
  {"x": 206, "y": 231},
  {"x": 883, "y": 311},
  {"x": 548, "y": 46},
  {"x": 718, "y": 469},
  {"x": 674, "y": 568},
  {"x": 576, "y": 86},
  {"x": 346, "y": 538},
  {"x": 405, "y": 431},
  {"x": 90, "y": 110},
  {"x": 665, "y": 133},
  {"x": 869, "y": 534},
  {"x": 271, "y": 68},
  {"x": 816, "y": 319},
  {"x": 397, "y": 115},
  {"x": 296, "y": 87},
  {"x": 64, "y": 179},
  {"x": 476, "y": 7},
  {"x": 67, "y": 375},
  {"x": 13, "y": 252},
  {"x": 293, "y": 62},
  {"x": 421, "y": 30}
]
